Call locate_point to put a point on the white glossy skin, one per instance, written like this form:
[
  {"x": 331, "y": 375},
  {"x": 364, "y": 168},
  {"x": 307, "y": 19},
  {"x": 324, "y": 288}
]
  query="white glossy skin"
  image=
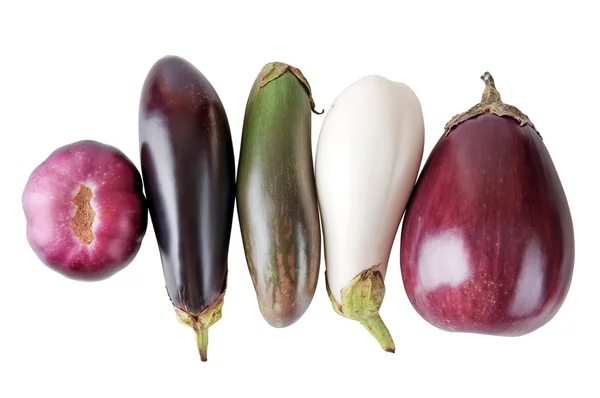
[{"x": 368, "y": 156}]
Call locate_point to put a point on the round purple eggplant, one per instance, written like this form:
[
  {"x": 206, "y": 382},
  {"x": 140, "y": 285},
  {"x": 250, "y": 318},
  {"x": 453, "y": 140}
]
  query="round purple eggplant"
[{"x": 188, "y": 169}]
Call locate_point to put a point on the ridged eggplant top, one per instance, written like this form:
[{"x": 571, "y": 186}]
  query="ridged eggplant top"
[
  {"x": 277, "y": 202},
  {"x": 188, "y": 169}
]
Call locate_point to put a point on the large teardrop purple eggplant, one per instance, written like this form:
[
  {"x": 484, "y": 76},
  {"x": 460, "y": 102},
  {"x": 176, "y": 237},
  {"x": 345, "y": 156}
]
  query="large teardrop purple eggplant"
[{"x": 487, "y": 242}]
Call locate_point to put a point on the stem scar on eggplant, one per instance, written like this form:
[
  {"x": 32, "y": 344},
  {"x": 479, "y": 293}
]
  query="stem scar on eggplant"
[
  {"x": 491, "y": 102},
  {"x": 82, "y": 221},
  {"x": 274, "y": 70}
]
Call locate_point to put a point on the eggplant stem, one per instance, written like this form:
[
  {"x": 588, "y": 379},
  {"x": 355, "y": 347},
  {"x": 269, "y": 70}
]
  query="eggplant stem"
[
  {"x": 201, "y": 322},
  {"x": 202, "y": 339},
  {"x": 491, "y": 103},
  {"x": 377, "y": 328},
  {"x": 361, "y": 300},
  {"x": 490, "y": 93}
]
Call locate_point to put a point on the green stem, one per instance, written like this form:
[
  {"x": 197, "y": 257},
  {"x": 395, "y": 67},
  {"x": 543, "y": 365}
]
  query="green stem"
[
  {"x": 202, "y": 339},
  {"x": 201, "y": 322},
  {"x": 377, "y": 328},
  {"x": 361, "y": 300}
]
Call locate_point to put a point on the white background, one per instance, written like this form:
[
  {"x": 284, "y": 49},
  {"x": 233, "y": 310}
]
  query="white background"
[{"x": 73, "y": 71}]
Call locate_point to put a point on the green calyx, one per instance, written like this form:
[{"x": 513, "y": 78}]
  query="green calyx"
[
  {"x": 361, "y": 300},
  {"x": 201, "y": 322},
  {"x": 274, "y": 70}
]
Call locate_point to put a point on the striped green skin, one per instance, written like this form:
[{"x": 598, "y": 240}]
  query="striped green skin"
[{"x": 277, "y": 198}]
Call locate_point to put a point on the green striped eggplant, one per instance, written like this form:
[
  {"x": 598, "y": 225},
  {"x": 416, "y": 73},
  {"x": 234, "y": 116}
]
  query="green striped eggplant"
[{"x": 276, "y": 194}]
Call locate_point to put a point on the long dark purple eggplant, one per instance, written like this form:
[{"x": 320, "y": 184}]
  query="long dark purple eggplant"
[{"x": 188, "y": 169}]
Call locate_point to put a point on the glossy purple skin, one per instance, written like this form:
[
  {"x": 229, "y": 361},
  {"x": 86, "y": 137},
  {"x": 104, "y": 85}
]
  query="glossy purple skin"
[
  {"x": 121, "y": 215},
  {"x": 487, "y": 241},
  {"x": 188, "y": 169}
]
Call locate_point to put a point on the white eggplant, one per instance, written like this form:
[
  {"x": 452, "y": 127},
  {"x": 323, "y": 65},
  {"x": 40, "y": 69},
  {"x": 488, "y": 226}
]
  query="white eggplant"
[{"x": 368, "y": 156}]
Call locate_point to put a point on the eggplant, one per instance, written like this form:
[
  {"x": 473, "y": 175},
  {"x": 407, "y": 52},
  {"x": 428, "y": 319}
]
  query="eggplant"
[
  {"x": 188, "y": 170},
  {"x": 487, "y": 244},
  {"x": 276, "y": 194},
  {"x": 368, "y": 158}
]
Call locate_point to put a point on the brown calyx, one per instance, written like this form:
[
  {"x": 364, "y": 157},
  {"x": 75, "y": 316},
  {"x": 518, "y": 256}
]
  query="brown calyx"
[
  {"x": 491, "y": 102},
  {"x": 81, "y": 223},
  {"x": 274, "y": 70}
]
